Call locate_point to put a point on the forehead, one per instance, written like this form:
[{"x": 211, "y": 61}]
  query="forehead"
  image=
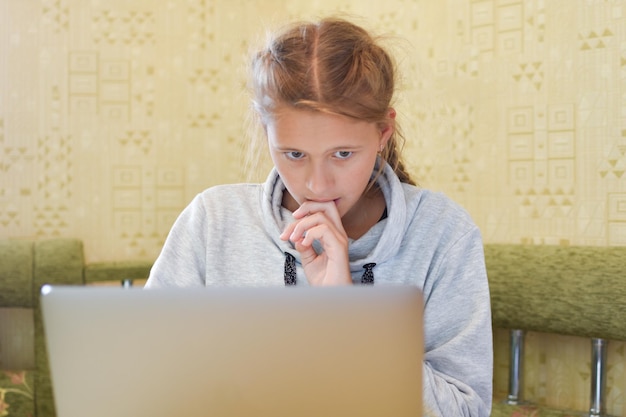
[{"x": 308, "y": 127}]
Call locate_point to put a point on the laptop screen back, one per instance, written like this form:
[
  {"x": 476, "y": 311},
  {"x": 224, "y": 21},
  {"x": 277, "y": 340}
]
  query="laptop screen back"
[{"x": 340, "y": 351}]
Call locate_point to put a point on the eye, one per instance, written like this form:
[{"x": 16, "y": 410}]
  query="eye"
[
  {"x": 343, "y": 154},
  {"x": 294, "y": 155}
]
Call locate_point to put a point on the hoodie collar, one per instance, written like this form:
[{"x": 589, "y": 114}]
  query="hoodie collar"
[{"x": 378, "y": 245}]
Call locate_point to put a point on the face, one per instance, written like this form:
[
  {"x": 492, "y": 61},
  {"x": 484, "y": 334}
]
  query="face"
[{"x": 324, "y": 157}]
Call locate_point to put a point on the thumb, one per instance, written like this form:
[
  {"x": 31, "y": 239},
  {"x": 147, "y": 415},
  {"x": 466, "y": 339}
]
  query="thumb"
[{"x": 307, "y": 253}]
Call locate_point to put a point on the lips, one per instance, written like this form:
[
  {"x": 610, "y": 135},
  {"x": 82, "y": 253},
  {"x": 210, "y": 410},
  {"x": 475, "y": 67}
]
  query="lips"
[{"x": 333, "y": 200}]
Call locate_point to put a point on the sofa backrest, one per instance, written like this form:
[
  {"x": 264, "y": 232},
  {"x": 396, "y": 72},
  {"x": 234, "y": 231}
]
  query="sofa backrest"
[{"x": 569, "y": 290}]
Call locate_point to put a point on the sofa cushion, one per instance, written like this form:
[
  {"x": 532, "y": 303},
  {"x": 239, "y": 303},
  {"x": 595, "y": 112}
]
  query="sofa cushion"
[
  {"x": 16, "y": 273},
  {"x": 58, "y": 261},
  {"x": 117, "y": 271}
]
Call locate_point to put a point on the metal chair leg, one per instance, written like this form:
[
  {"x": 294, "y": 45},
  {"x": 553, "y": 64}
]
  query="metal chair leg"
[
  {"x": 515, "y": 368},
  {"x": 598, "y": 377}
]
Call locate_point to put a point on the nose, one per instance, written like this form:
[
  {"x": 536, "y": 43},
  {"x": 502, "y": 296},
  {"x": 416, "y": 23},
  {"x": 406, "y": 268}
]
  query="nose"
[{"x": 319, "y": 180}]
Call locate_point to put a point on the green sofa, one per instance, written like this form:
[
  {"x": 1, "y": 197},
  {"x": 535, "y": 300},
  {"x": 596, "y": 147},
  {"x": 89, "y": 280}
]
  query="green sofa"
[
  {"x": 25, "y": 266},
  {"x": 575, "y": 291}
]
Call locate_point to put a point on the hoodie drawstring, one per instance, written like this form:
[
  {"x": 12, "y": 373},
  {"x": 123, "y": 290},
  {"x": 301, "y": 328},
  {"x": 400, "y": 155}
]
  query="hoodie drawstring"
[
  {"x": 290, "y": 271},
  {"x": 368, "y": 275}
]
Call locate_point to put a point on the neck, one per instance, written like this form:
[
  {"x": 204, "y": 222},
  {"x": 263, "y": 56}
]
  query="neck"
[{"x": 365, "y": 214}]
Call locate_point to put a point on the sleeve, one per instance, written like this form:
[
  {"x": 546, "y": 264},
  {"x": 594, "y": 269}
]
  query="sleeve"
[
  {"x": 458, "y": 362},
  {"x": 182, "y": 261}
]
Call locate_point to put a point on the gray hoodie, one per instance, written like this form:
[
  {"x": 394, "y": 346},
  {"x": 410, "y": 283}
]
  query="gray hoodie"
[{"x": 229, "y": 235}]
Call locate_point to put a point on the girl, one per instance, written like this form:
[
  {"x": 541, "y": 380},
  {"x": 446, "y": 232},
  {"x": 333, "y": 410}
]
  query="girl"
[{"x": 339, "y": 208}]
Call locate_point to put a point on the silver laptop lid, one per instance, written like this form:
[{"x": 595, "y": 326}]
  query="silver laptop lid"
[{"x": 340, "y": 351}]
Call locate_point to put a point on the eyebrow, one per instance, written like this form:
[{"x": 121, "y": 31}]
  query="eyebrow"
[{"x": 335, "y": 149}]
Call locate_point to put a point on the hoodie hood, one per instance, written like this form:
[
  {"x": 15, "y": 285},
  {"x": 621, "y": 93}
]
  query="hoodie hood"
[{"x": 378, "y": 245}]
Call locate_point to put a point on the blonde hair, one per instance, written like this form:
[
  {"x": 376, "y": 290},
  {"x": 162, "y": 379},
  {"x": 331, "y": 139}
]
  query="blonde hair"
[{"x": 331, "y": 66}]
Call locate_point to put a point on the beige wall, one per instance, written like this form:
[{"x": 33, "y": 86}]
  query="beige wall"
[{"x": 114, "y": 114}]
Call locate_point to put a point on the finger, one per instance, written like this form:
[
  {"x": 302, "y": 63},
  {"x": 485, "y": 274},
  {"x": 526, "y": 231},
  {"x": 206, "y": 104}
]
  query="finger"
[
  {"x": 321, "y": 232},
  {"x": 307, "y": 253},
  {"x": 333, "y": 242},
  {"x": 302, "y": 227},
  {"x": 295, "y": 231},
  {"x": 308, "y": 208},
  {"x": 288, "y": 231},
  {"x": 329, "y": 208}
]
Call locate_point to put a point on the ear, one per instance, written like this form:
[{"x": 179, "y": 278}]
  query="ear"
[{"x": 387, "y": 127}]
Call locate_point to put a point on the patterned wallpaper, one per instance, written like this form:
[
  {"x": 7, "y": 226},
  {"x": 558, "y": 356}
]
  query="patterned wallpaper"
[{"x": 114, "y": 114}]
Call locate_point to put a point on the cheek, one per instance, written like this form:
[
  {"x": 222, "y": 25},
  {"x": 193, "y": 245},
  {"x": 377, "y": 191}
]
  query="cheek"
[
  {"x": 290, "y": 179},
  {"x": 363, "y": 181},
  {"x": 359, "y": 179},
  {"x": 366, "y": 169},
  {"x": 279, "y": 163}
]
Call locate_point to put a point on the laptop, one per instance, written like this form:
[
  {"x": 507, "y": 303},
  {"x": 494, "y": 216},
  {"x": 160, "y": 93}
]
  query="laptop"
[{"x": 231, "y": 352}]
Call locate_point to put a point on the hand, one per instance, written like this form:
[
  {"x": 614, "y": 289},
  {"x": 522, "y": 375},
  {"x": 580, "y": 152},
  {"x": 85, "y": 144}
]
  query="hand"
[{"x": 320, "y": 221}]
